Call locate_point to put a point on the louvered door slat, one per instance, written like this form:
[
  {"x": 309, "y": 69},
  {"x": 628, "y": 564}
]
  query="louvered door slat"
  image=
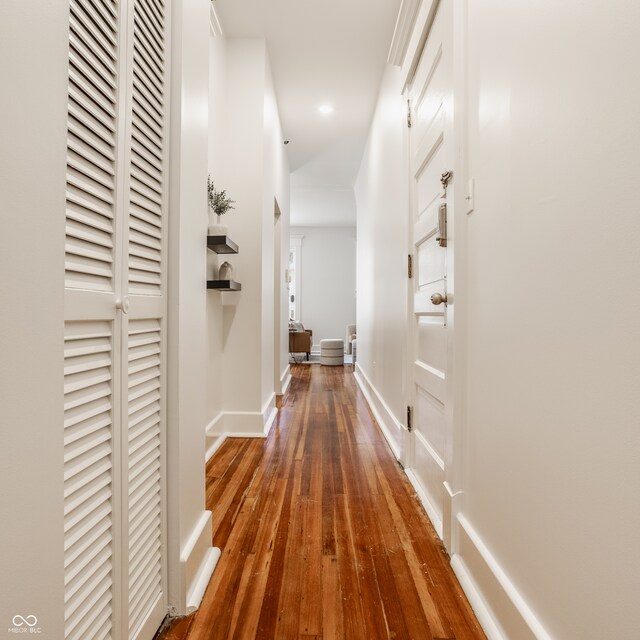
[
  {"x": 144, "y": 82},
  {"x": 152, "y": 30},
  {"x": 102, "y": 31},
  {"x": 88, "y": 488},
  {"x": 147, "y": 151},
  {"x": 146, "y": 173},
  {"x": 91, "y": 106},
  {"x": 97, "y": 59},
  {"x": 148, "y": 240},
  {"x": 146, "y": 472},
  {"x": 155, "y": 9},
  {"x": 91, "y": 153},
  {"x": 149, "y": 52},
  {"x": 144, "y": 463},
  {"x": 148, "y": 136},
  {"x": 82, "y": 73},
  {"x": 148, "y": 119},
  {"x": 90, "y": 211},
  {"x": 84, "y": 126}
]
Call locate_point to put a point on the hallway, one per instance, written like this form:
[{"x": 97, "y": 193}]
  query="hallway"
[{"x": 321, "y": 533}]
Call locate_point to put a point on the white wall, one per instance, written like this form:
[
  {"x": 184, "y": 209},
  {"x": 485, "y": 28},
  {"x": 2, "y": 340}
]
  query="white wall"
[
  {"x": 381, "y": 197},
  {"x": 275, "y": 327},
  {"x": 32, "y": 204},
  {"x": 328, "y": 280},
  {"x": 253, "y": 169},
  {"x": 189, "y": 523},
  {"x": 217, "y": 127},
  {"x": 552, "y": 455},
  {"x": 546, "y": 541}
]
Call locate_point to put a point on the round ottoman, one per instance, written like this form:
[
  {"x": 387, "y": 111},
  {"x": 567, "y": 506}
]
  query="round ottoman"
[{"x": 332, "y": 352}]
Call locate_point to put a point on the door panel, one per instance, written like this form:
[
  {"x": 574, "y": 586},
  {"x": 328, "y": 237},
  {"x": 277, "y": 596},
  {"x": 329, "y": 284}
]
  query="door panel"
[
  {"x": 430, "y": 423},
  {"x": 144, "y": 454},
  {"x": 431, "y": 263},
  {"x": 431, "y": 155},
  {"x": 91, "y": 146},
  {"x": 147, "y": 151},
  {"x": 432, "y": 343},
  {"x": 88, "y": 479},
  {"x": 428, "y": 180},
  {"x": 429, "y": 472}
]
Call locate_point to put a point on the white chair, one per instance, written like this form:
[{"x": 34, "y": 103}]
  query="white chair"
[{"x": 350, "y": 337}]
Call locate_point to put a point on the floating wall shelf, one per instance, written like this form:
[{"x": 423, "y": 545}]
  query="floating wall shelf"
[
  {"x": 221, "y": 244},
  {"x": 224, "y": 285}
]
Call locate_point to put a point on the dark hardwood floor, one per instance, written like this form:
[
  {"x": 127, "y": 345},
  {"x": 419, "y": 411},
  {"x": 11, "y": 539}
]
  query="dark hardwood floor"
[{"x": 322, "y": 535}]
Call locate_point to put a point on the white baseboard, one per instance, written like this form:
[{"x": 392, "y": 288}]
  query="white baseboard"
[
  {"x": 432, "y": 512},
  {"x": 387, "y": 422},
  {"x": 285, "y": 380},
  {"x": 269, "y": 413},
  {"x": 501, "y": 609},
  {"x": 213, "y": 444},
  {"x": 194, "y": 597},
  {"x": 240, "y": 424},
  {"x": 195, "y": 560}
]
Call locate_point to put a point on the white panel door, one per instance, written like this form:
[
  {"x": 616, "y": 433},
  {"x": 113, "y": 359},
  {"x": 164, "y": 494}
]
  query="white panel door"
[
  {"x": 431, "y": 155},
  {"x": 115, "y": 302}
]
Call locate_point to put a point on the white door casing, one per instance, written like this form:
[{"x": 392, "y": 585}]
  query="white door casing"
[
  {"x": 431, "y": 151},
  {"x": 115, "y": 309}
]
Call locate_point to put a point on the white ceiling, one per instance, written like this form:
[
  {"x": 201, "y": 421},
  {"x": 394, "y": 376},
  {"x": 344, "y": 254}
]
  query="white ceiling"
[{"x": 328, "y": 51}]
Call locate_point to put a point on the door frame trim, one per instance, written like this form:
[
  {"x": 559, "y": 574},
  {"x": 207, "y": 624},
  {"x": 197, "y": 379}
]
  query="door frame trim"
[{"x": 457, "y": 283}]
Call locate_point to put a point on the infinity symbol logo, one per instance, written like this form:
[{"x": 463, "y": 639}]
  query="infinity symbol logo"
[{"x": 30, "y": 621}]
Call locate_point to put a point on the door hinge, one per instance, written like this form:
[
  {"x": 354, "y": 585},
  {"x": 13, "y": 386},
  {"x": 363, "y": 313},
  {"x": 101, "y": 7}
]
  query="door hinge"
[
  {"x": 409, "y": 121},
  {"x": 409, "y": 266},
  {"x": 409, "y": 418}
]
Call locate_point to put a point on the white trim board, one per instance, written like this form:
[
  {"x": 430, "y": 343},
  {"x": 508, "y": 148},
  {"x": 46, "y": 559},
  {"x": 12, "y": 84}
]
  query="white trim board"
[
  {"x": 486, "y": 585},
  {"x": 196, "y": 561},
  {"x": 380, "y": 410},
  {"x": 500, "y": 607},
  {"x": 402, "y": 32},
  {"x": 285, "y": 380},
  {"x": 239, "y": 424},
  {"x": 200, "y": 584},
  {"x": 432, "y": 512}
]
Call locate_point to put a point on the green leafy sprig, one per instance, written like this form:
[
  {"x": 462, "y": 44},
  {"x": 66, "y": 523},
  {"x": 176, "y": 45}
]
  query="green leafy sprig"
[{"x": 218, "y": 200}]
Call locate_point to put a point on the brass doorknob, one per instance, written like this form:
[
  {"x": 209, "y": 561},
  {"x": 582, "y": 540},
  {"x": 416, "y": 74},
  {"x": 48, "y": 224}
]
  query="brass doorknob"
[{"x": 438, "y": 298}]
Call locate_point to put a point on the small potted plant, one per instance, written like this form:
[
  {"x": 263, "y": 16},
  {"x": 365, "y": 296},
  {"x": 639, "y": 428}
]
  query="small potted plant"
[{"x": 219, "y": 204}]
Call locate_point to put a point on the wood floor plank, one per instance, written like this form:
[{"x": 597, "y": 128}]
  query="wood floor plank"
[
  {"x": 352, "y": 615},
  {"x": 321, "y": 533},
  {"x": 311, "y": 593},
  {"x": 332, "y": 624}
]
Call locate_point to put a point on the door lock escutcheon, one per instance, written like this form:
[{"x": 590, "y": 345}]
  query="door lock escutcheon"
[{"x": 441, "y": 236}]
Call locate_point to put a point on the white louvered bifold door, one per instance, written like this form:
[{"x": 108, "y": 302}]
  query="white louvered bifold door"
[
  {"x": 114, "y": 431},
  {"x": 145, "y": 282}
]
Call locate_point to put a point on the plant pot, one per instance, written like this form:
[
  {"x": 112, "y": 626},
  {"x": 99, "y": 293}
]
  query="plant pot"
[{"x": 215, "y": 228}]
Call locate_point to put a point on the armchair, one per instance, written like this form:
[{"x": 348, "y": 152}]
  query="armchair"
[
  {"x": 300, "y": 341},
  {"x": 350, "y": 337}
]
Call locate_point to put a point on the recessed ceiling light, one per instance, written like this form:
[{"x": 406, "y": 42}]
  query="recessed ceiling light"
[{"x": 325, "y": 109}]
